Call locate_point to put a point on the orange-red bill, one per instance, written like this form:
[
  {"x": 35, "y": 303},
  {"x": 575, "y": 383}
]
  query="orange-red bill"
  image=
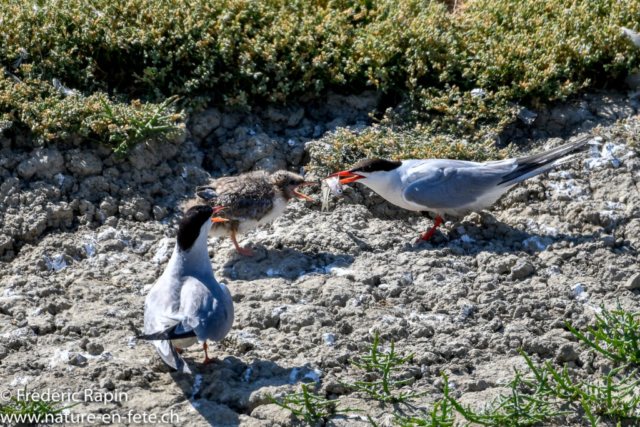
[
  {"x": 215, "y": 211},
  {"x": 302, "y": 196},
  {"x": 348, "y": 177},
  {"x": 351, "y": 179}
]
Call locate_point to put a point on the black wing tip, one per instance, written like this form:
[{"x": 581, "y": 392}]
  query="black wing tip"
[
  {"x": 174, "y": 360},
  {"x": 166, "y": 335},
  {"x": 531, "y": 163}
]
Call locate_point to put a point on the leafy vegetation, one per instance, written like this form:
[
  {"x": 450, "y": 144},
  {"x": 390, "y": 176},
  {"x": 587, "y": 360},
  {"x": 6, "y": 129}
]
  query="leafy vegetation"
[
  {"x": 617, "y": 335},
  {"x": 239, "y": 53},
  {"x": 49, "y": 114},
  {"x": 627, "y": 129},
  {"x": 384, "y": 365},
  {"x": 440, "y": 415},
  {"x": 616, "y": 396},
  {"x": 128, "y": 131},
  {"x": 344, "y": 148},
  {"x": 515, "y": 409},
  {"x": 545, "y": 394},
  {"x": 536, "y": 400},
  {"x": 309, "y": 406}
]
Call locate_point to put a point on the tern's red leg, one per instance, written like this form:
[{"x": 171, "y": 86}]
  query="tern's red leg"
[
  {"x": 206, "y": 356},
  {"x": 178, "y": 350},
  {"x": 241, "y": 251},
  {"x": 429, "y": 234}
]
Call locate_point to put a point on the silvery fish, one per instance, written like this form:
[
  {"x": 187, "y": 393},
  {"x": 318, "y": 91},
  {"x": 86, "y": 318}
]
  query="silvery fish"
[
  {"x": 331, "y": 185},
  {"x": 335, "y": 186},
  {"x": 325, "y": 196}
]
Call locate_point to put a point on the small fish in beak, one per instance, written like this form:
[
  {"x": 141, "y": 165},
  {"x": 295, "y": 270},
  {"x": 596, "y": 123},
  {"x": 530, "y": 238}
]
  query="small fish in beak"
[
  {"x": 330, "y": 185},
  {"x": 348, "y": 177}
]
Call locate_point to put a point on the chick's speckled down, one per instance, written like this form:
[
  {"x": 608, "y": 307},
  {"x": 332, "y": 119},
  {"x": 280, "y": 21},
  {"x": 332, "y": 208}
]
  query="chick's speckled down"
[{"x": 247, "y": 196}]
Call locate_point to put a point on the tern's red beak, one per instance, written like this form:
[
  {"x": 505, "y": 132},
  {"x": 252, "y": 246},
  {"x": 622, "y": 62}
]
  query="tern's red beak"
[
  {"x": 215, "y": 211},
  {"x": 302, "y": 196},
  {"x": 349, "y": 177}
]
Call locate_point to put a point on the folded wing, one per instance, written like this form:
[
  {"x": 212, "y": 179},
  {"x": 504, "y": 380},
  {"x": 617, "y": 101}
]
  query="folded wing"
[
  {"x": 454, "y": 187},
  {"x": 160, "y": 329}
]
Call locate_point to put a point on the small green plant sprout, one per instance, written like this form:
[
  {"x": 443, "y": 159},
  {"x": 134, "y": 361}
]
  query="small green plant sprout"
[
  {"x": 440, "y": 415},
  {"x": 309, "y": 406},
  {"x": 384, "y": 364},
  {"x": 588, "y": 413},
  {"x": 515, "y": 409},
  {"x": 618, "y": 400},
  {"x": 126, "y": 132},
  {"x": 617, "y": 335},
  {"x": 31, "y": 411}
]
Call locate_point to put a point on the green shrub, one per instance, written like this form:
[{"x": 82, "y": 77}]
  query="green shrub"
[
  {"x": 50, "y": 115},
  {"x": 346, "y": 147},
  {"x": 240, "y": 52}
]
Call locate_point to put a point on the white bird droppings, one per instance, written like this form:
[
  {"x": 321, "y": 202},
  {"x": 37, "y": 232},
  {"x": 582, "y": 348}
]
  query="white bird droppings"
[
  {"x": 55, "y": 263},
  {"x": 579, "y": 293},
  {"x": 61, "y": 357},
  {"x": 329, "y": 339},
  {"x": 20, "y": 381}
]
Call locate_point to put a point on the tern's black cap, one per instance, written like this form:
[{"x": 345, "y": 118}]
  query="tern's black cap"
[
  {"x": 375, "y": 165},
  {"x": 191, "y": 224}
]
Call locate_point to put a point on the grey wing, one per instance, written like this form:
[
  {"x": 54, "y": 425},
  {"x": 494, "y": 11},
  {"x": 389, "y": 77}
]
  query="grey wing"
[
  {"x": 157, "y": 303},
  {"x": 227, "y": 315},
  {"x": 207, "y": 313},
  {"x": 458, "y": 189},
  {"x": 162, "y": 301}
]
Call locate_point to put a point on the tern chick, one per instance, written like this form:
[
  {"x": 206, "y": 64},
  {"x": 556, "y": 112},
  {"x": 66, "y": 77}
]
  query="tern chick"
[
  {"x": 251, "y": 199},
  {"x": 454, "y": 187},
  {"x": 187, "y": 305}
]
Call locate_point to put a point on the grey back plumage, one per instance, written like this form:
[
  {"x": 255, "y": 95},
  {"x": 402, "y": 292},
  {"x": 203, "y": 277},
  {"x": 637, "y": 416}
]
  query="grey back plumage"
[
  {"x": 187, "y": 304},
  {"x": 448, "y": 186},
  {"x": 208, "y": 312},
  {"x": 458, "y": 187}
]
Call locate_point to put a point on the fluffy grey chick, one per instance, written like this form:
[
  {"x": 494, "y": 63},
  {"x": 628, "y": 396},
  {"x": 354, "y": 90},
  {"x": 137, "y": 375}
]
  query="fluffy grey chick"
[{"x": 251, "y": 199}]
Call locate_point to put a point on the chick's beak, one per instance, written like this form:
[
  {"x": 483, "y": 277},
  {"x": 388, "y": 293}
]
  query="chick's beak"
[
  {"x": 349, "y": 177},
  {"x": 300, "y": 195},
  {"x": 215, "y": 211}
]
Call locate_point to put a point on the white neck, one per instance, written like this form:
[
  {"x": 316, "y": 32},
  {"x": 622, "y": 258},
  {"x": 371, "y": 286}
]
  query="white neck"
[
  {"x": 195, "y": 261},
  {"x": 390, "y": 186}
]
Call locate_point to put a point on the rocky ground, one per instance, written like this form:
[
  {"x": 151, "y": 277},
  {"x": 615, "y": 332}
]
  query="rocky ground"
[{"x": 85, "y": 235}]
